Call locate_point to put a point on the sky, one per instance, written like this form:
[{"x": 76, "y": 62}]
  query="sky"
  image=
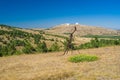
[{"x": 49, "y": 13}]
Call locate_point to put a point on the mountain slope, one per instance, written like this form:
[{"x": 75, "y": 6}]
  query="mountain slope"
[
  {"x": 15, "y": 40},
  {"x": 82, "y": 30}
]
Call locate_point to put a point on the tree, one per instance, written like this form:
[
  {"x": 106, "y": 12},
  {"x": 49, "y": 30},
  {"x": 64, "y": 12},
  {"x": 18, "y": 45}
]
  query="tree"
[{"x": 69, "y": 44}]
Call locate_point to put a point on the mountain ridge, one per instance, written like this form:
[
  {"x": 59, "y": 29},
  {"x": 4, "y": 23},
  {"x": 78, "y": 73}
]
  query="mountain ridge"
[{"x": 82, "y": 30}]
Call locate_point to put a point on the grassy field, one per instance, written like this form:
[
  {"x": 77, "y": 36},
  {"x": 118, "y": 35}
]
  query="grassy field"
[{"x": 53, "y": 66}]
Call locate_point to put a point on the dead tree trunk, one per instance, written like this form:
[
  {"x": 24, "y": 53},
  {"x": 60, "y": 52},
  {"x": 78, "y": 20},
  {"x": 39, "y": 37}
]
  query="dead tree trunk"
[{"x": 69, "y": 42}]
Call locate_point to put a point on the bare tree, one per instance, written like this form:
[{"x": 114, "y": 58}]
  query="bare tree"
[{"x": 69, "y": 41}]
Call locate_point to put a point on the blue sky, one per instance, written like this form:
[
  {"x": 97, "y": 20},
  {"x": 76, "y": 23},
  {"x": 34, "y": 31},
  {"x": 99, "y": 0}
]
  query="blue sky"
[{"x": 48, "y": 13}]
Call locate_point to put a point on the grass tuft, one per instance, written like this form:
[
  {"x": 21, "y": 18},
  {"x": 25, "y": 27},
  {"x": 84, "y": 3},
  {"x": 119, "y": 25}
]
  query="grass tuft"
[{"x": 83, "y": 58}]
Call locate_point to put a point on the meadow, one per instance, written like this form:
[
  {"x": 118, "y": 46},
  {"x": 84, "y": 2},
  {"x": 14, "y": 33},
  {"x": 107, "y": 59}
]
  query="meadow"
[{"x": 54, "y": 66}]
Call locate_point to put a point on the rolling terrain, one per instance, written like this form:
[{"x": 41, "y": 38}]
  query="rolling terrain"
[
  {"x": 24, "y": 58},
  {"x": 82, "y": 30},
  {"x": 53, "y": 66}
]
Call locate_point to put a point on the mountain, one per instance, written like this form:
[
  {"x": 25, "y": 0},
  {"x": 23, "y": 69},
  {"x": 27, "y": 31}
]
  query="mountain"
[{"x": 82, "y": 30}]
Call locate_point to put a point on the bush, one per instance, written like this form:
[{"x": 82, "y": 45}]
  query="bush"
[
  {"x": 18, "y": 52},
  {"x": 1, "y": 51},
  {"x": 17, "y": 42},
  {"x": 7, "y": 50},
  {"x": 83, "y": 58},
  {"x": 103, "y": 36},
  {"x": 41, "y": 47},
  {"x": 1, "y": 54},
  {"x": 28, "y": 48},
  {"x": 65, "y": 45},
  {"x": 54, "y": 47},
  {"x": 37, "y": 38},
  {"x": 95, "y": 43},
  {"x": 11, "y": 49}
]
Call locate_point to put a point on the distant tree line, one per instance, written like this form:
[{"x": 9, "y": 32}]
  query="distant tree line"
[
  {"x": 96, "y": 43},
  {"x": 103, "y": 36}
]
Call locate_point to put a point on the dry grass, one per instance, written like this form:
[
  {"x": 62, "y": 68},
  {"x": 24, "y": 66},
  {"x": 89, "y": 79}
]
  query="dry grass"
[
  {"x": 81, "y": 30},
  {"x": 81, "y": 40},
  {"x": 52, "y": 66}
]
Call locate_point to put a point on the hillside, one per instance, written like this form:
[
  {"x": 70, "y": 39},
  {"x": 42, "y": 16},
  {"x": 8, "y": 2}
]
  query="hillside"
[
  {"x": 52, "y": 66},
  {"x": 46, "y": 60},
  {"x": 82, "y": 30},
  {"x": 14, "y": 40}
]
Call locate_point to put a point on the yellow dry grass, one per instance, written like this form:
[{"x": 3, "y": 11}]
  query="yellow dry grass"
[
  {"x": 81, "y": 40},
  {"x": 81, "y": 30},
  {"x": 53, "y": 66}
]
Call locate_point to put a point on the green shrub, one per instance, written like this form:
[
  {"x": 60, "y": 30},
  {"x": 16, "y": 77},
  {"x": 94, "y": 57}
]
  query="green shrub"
[
  {"x": 37, "y": 38},
  {"x": 41, "y": 47},
  {"x": 65, "y": 45},
  {"x": 7, "y": 50},
  {"x": 83, "y": 58},
  {"x": 95, "y": 43},
  {"x": 28, "y": 48},
  {"x": 11, "y": 49},
  {"x": 1, "y": 51},
  {"x": 102, "y": 36},
  {"x": 18, "y": 52},
  {"x": 54, "y": 47}
]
